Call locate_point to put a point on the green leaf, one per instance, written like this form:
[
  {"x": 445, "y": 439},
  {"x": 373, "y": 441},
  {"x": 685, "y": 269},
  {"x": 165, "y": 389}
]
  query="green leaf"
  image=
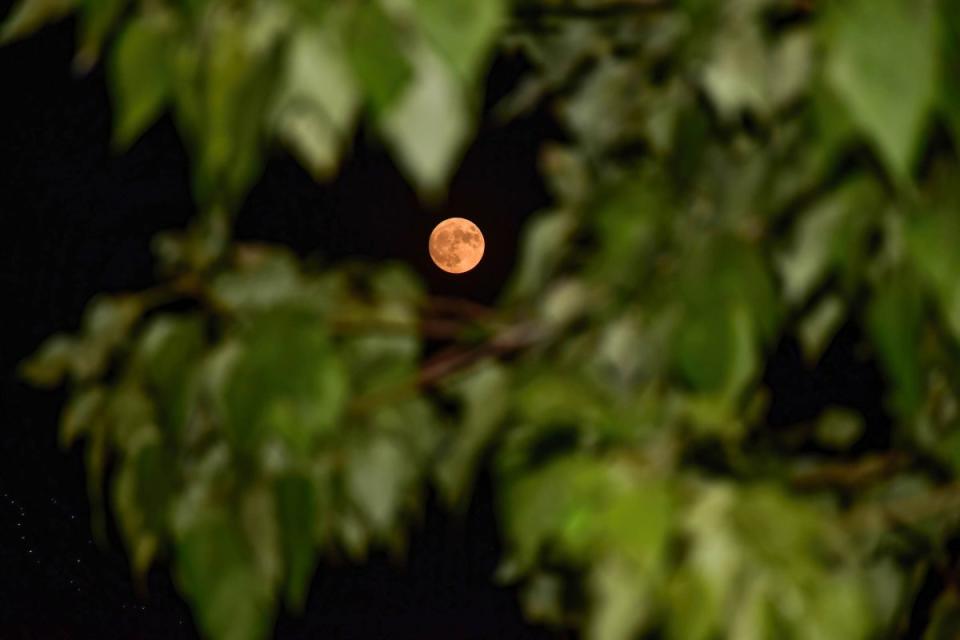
[
  {"x": 832, "y": 235},
  {"x": 216, "y": 572},
  {"x": 945, "y": 620},
  {"x": 584, "y": 505},
  {"x": 29, "y": 15},
  {"x": 141, "y": 496},
  {"x": 932, "y": 237},
  {"x": 619, "y": 600},
  {"x": 318, "y": 101},
  {"x": 224, "y": 94},
  {"x": 543, "y": 245},
  {"x": 839, "y": 428},
  {"x": 54, "y": 359},
  {"x": 377, "y": 56},
  {"x": 882, "y": 62},
  {"x": 98, "y": 18},
  {"x": 83, "y": 408},
  {"x": 140, "y": 76},
  {"x": 171, "y": 348},
  {"x": 736, "y": 77},
  {"x": 430, "y": 125},
  {"x": 894, "y": 321},
  {"x": 297, "y": 512},
  {"x": 267, "y": 281},
  {"x": 949, "y": 24},
  {"x": 284, "y": 381},
  {"x": 378, "y": 479},
  {"x": 818, "y": 327},
  {"x": 483, "y": 393},
  {"x": 463, "y": 31}
]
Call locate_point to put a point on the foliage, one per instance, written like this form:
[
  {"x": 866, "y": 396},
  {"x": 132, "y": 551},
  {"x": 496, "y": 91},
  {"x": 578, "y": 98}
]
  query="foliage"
[{"x": 736, "y": 174}]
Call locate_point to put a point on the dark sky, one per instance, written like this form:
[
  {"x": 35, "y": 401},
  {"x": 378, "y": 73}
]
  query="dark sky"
[{"x": 76, "y": 219}]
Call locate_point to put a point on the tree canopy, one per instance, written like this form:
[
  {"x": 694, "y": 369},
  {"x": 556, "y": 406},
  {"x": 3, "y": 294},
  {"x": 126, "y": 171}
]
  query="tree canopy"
[{"x": 732, "y": 175}]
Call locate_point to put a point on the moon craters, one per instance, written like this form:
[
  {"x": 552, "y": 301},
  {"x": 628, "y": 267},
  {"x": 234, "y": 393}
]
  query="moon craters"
[{"x": 456, "y": 245}]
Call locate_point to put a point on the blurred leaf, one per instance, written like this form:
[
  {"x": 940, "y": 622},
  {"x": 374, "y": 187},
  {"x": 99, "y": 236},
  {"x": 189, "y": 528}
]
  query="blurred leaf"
[
  {"x": 318, "y": 102},
  {"x": 378, "y": 57},
  {"x": 98, "y": 18},
  {"x": 284, "y": 381},
  {"x": 215, "y": 570},
  {"x": 226, "y": 93},
  {"x": 543, "y": 599},
  {"x": 945, "y": 622},
  {"x": 839, "y": 428},
  {"x": 582, "y": 505},
  {"x": 378, "y": 479},
  {"x": 895, "y": 321},
  {"x": 463, "y": 31},
  {"x": 483, "y": 392},
  {"x": 736, "y": 76},
  {"x": 544, "y": 241},
  {"x": 790, "y": 68},
  {"x": 140, "y": 76},
  {"x": 268, "y": 280},
  {"x": 619, "y": 597},
  {"x": 142, "y": 493},
  {"x": 297, "y": 513},
  {"x": 429, "y": 125},
  {"x": 82, "y": 409},
  {"x": 949, "y": 25},
  {"x": 171, "y": 348},
  {"x": 109, "y": 319},
  {"x": 29, "y": 15},
  {"x": 51, "y": 362},
  {"x": 883, "y": 65},
  {"x": 931, "y": 242},
  {"x": 818, "y": 327},
  {"x": 831, "y": 235}
]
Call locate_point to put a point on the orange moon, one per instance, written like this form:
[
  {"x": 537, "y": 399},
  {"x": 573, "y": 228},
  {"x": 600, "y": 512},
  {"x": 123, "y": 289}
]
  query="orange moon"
[{"x": 456, "y": 245}]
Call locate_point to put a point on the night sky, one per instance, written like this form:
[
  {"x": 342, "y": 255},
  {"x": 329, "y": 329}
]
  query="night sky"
[{"x": 76, "y": 219}]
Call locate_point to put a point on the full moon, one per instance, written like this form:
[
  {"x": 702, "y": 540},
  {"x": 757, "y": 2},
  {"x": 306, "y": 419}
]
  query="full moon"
[{"x": 456, "y": 245}]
